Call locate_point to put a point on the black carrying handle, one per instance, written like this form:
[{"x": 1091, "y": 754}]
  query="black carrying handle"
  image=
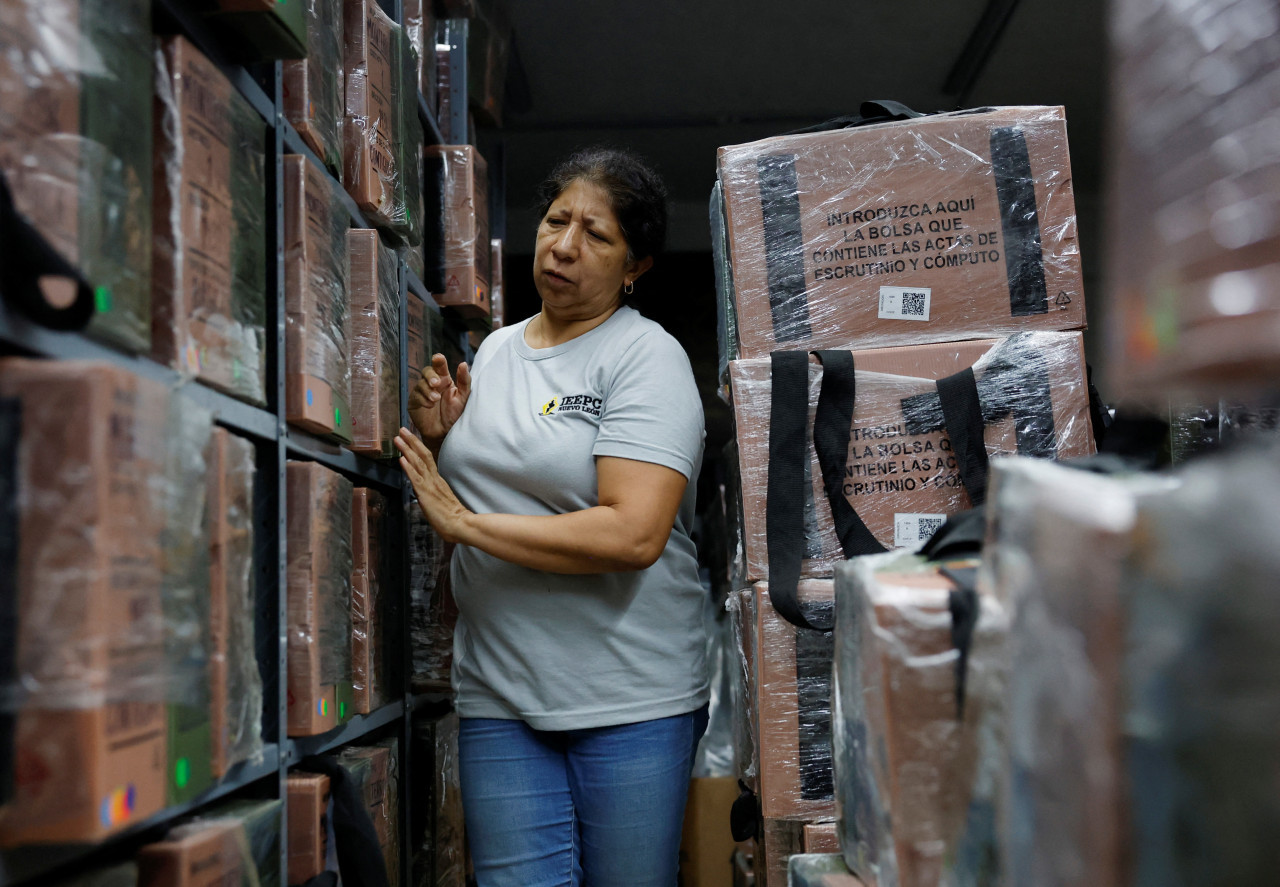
[
  {"x": 27, "y": 258},
  {"x": 788, "y": 452},
  {"x": 875, "y": 111},
  {"x": 962, "y": 415}
]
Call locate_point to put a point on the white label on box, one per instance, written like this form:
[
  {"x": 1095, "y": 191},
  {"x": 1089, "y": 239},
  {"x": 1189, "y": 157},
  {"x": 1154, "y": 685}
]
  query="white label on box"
[
  {"x": 905, "y": 302},
  {"x": 914, "y": 530}
]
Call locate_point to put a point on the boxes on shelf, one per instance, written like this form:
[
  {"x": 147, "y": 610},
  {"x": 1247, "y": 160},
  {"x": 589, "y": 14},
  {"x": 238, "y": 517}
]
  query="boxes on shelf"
[
  {"x": 317, "y": 370},
  {"x": 235, "y": 681},
  {"x": 75, "y": 147},
  {"x": 209, "y": 254},
  {"x": 319, "y": 598},
  {"x": 820, "y": 837},
  {"x": 263, "y": 29},
  {"x": 919, "y": 739},
  {"x": 378, "y": 768},
  {"x": 498, "y": 307},
  {"x": 426, "y": 330},
  {"x": 369, "y": 673},
  {"x": 777, "y": 842},
  {"x": 790, "y": 695},
  {"x": 409, "y": 140},
  {"x": 98, "y": 548},
  {"x": 743, "y": 625},
  {"x": 439, "y": 850},
  {"x": 375, "y": 345},
  {"x": 314, "y": 101},
  {"x": 432, "y": 611},
  {"x": 457, "y": 188},
  {"x": 259, "y": 823},
  {"x": 955, "y": 226},
  {"x": 372, "y": 76},
  {"x": 308, "y": 818},
  {"x": 196, "y": 855},
  {"x": 901, "y": 476},
  {"x": 1193, "y": 229}
]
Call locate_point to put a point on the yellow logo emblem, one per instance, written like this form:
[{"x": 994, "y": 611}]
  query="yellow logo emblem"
[{"x": 550, "y": 406}]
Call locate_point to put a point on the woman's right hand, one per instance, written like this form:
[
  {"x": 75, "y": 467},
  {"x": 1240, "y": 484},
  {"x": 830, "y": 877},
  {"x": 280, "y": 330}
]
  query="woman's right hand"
[{"x": 437, "y": 401}]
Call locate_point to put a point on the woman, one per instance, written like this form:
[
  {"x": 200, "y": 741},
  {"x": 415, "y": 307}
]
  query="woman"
[{"x": 565, "y": 461}]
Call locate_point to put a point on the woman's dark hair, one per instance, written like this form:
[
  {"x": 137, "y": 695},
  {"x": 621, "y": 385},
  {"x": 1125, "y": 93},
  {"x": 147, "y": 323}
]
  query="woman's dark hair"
[{"x": 636, "y": 192}]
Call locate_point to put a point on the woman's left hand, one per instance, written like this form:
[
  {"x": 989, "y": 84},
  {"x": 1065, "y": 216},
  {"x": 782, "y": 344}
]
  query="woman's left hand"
[{"x": 443, "y": 511}]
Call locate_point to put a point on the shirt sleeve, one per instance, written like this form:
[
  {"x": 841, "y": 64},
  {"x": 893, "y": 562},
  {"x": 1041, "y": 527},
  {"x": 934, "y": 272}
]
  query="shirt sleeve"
[{"x": 652, "y": 411}]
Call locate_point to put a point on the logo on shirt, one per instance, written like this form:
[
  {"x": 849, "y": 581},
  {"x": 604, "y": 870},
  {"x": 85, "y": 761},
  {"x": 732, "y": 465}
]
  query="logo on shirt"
[{"x": 572, "y": 403}]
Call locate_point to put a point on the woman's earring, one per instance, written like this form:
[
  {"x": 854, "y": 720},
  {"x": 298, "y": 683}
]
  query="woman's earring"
[{"x": 629, "y": 288}]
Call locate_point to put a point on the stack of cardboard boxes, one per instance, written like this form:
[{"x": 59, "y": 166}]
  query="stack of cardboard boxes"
[
  {"x": 951, "y": 254},
  {"x": 133, "y": 547}
]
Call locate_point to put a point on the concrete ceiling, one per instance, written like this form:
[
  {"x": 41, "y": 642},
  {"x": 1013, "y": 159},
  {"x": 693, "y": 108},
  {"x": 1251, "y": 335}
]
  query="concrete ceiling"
[{"x": 676, "y": 79}]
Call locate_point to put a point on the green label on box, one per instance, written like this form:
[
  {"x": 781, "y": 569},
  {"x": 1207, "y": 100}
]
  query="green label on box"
[
  {"x": 102, "y": 299},
  {"x": 337, "y": 417},
  {"x": 182, "y": 772}
]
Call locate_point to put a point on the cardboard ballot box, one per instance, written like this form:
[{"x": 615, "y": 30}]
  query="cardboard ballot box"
[
  {"x": 947, "y": 227},
  {"x": 901, "y": 476}
]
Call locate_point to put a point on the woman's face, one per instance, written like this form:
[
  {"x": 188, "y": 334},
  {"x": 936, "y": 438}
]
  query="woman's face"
[{"x": 580, "y": 258}]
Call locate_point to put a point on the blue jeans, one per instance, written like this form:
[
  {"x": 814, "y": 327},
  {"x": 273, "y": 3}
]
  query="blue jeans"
[{"x": 601, "y": 807}]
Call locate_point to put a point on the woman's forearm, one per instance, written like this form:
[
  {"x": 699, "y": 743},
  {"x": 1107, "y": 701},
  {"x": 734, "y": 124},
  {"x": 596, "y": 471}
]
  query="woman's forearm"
[{"x": 594, "y": 540}]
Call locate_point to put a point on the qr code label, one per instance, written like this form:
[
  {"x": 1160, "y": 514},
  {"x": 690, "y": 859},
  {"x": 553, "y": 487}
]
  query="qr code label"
[
  {"x": 905, "y": 302},
  {"x": 913, "y": 530}
]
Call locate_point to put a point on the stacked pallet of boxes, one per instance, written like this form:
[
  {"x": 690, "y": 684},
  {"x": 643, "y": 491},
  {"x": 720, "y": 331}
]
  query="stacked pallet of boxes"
[{"x": 940, "y": 288}]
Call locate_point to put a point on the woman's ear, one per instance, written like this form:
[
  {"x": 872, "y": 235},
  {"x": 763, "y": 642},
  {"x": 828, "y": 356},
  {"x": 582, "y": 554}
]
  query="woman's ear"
[{"x": 638, "y": 268}]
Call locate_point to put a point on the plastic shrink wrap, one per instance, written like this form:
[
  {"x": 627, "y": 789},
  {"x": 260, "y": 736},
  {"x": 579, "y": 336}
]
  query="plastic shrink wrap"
[
  {"x": 105, "y": 585},
  {"x": 432, "y": 612},
  {"x": 952, "y": 226},
  {"x": 236, "y": 682},
  {"x": 75, "y": 146},
  {"x": 409, "y": 143},
  {"x": 209, "y": 218},
  {"x": 1201, "y": 677},
  {"x": 312, "y": 88},
  {"x": 319, "y": 598},
  {"x": 918, "y": 714},
  {"x": 378, "y": 769},
  {"x": 369, "y": 673},
  {"x": 901, "y": 476},
  {"x": 373, "y": 75},
  {"x": 420, "y": 25},
  {"x": 1194, "y": 196},
  {"x": 439, "y": 851},
  {"x": 375, "y": 344},
  {"x": 820, "y": 870},
  {"x": 1057, "y": 553},
  {"x": 237, "y": 842},
  {"x": 742, "y": 612},
  {"x": 457, "y": 189},
  {"x": 309, "y": 823},
  {"x": 790, "y": 692},
  {"x": 726, "y": 313},
  {"x": 317, "y": 326},
  {"x": 185, "y": 594}
]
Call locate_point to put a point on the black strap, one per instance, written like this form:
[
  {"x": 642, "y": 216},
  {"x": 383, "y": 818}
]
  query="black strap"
[
  {"x": 962, "y": 413},
  {"x": 961, "y": 534},
  {"x": 784, "y": 507},
  {"x": 870, "y": 112},
  {"x": 360, "y": 860},
  {"x": 831, "y": 429},
  {"x": 27, "y": 257},
  {"x": 783, "y": 247},
  {"x": 964, "y": 606}
]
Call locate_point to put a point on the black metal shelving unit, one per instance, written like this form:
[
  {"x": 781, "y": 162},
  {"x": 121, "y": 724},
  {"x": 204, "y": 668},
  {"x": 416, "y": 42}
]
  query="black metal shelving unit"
[{"x": 276, "y": 443}]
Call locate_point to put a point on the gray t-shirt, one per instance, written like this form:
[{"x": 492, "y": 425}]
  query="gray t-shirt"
[{"x": 564, "y": 652}]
